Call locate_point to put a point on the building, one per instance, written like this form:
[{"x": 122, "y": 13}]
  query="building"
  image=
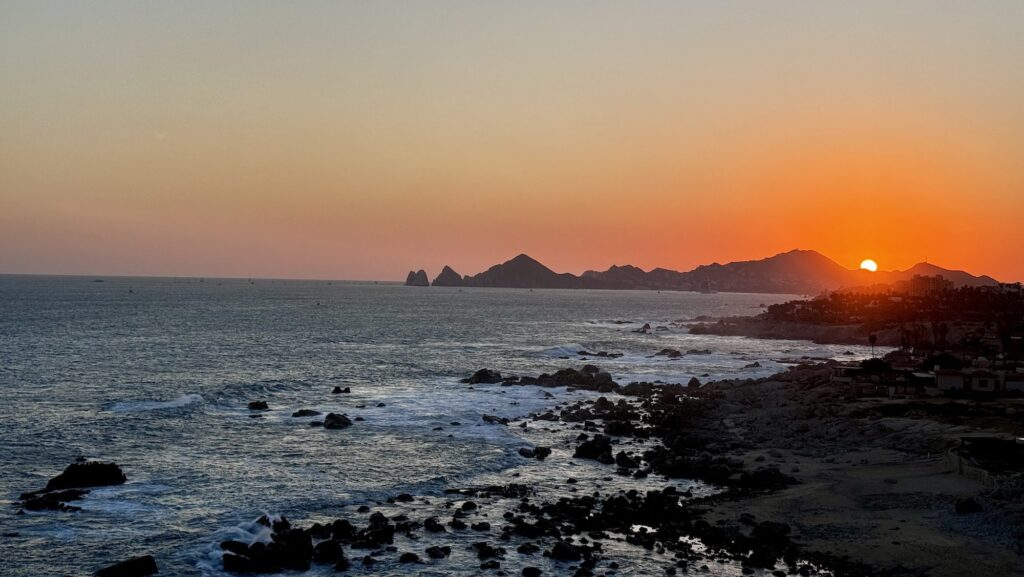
[
  {"x": 981, "y": 381},
  {"x": 949, "y": 380}
]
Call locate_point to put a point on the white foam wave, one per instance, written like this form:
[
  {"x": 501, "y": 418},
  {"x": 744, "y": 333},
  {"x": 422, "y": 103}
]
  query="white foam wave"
[
  {"x": 569, "y": 350},
  {"x": 133, "y": 406}
]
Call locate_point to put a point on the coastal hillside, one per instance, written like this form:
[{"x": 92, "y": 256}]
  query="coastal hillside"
[{"x": 795, "y": 272}]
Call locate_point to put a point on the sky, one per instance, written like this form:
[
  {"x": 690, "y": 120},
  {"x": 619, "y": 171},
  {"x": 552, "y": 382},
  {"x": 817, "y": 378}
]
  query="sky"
[{"x": 358, "y": 140}]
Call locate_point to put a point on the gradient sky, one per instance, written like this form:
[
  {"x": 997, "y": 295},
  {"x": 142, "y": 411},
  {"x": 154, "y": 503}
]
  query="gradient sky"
[{"x": 359, "y": 140}]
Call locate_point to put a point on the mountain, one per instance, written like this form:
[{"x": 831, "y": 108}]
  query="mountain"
[
  {"x": 795, "y": 272},
  {"x": 957, "y": 277},
  {"x": 524, "y": 272},
  {"x": 448, "y": 277}
]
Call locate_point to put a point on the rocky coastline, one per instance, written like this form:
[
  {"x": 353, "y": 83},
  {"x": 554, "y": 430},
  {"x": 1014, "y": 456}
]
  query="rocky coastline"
[
  {"x": 802, "y": 481},
  {"x": 759, "y": 327}
]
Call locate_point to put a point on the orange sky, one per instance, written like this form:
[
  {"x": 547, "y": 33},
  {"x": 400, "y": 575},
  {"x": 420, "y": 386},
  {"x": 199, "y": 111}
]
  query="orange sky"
[{"x": 358, "y": 141}]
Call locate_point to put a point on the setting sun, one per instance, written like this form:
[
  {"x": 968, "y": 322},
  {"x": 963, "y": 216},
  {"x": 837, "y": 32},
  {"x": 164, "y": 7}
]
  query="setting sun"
[{"x": 868, "y": 265}]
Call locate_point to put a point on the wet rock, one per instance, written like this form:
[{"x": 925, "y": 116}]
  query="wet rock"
[
  {"x": 563, "y": 551},
  {"x": 487, "y": 551},
  {"x": 53, "y": 501},
  {"x": 236, "y": 547},
  {"x": 483, "y": 376},
  {"x": 532, "y": 572},
  {"x": 541, "y": 453},
  {"x": 598, "y": 449},
  {"x": 336, "y": 421},
  {"x": 481, "y": 526},
  {"x": 669, "y": 353},
  {"x": 438, "y": 552},
  {"x": 328, "y": 551},
  {"x": 433, "y": 525},
  {"x": 409, "y": 557},
  {"x": 136, "y": 567},
  {"x": 527, "y": 549},
  {"x": 404, "y": 498},
  {"x": 495, "y": 420},
  {"x": 259, "y": 406},
  {"x": 305, "y": 413},
  {"x": 87, "y": 474}
]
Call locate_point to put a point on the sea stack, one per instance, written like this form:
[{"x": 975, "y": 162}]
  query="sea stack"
[
  {"x": 417, "y": 278},
  {"x": 448, "y": 277}
]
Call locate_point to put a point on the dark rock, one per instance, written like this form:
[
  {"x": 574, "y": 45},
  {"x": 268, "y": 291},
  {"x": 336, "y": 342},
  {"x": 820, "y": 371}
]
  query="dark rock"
[
  {"x": 487, "y": 551},
  {"x": 87, "y": 474},
  {"x": 336, "y": 421},
  {"x": 598, "y": 449},
  {"x": 137, "y": 567},
  {"x": 53, "y": 501},
  {"x": 966, "y": 506},
  {"x": 541, "y": 453},
  {"x": 417, "y": 278},
  {"x": 236, "y": 547},
  {"x": 484, "y": 376},
  {"x": 404, "y": 498},
  {"x": 563, "y": 551},
  {"x": 259, "y": 406},
  {"x": 433, "y": 525},
  {"x": 328, "y": 551},
  {"x": 532, "y": 572},
  {"x": 409, "y": 557},
  {"x": 305, "y": 413},
  {"x": 448, "y": 277},
  {"x": 481, "y": 526},
  {"x": 495, "y": 420},
  {"x": 439, "y": 552},
  {"x": 527, "y": 549}
]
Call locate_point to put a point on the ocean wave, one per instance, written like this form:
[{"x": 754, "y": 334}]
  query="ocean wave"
[
  {"x": 569, "y": 350},
  {"x": 134, "y": 406}
]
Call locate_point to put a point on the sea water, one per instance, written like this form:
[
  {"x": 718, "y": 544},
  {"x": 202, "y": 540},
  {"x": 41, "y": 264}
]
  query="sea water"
[{"x": 156, "y": 375}]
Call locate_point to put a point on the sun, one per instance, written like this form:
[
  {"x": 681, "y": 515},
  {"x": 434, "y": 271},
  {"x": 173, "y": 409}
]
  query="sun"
[{"x": 868, "y": 265}]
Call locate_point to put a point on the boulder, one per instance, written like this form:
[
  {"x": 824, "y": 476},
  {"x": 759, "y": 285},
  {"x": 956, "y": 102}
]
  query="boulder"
[
  {"x": 484, "y": 376},
  {"x": 305, "y": 413},
  {"x": 336, "y": 421},
  {"x": 597, "y": 449},
  {"x": 438, "y": 552},
  {"x": 136, "y": 567},
  {"x": 87, "y": 474},
  {"x": 259, "y": 406},
  {"x": 563, "y": 551}
]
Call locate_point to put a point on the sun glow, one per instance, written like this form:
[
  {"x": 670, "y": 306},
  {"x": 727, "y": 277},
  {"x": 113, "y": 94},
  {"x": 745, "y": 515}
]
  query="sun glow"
[{"x": 868, "y": 265}]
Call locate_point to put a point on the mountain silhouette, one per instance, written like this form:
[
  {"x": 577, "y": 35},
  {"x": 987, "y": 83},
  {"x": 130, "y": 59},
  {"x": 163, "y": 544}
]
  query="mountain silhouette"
[{"x": 794, "y": 272}]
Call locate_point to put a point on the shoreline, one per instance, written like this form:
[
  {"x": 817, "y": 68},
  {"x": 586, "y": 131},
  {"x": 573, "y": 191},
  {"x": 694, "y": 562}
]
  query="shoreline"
[{"x": 804, "y": 481}]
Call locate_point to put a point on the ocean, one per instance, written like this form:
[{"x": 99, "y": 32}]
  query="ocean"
[{"x": 155, "y": 374}]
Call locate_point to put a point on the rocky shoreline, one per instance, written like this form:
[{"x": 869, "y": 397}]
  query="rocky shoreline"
[
  {"x": 802, "y": 482},
  {"x": 823, "y": 334}
]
